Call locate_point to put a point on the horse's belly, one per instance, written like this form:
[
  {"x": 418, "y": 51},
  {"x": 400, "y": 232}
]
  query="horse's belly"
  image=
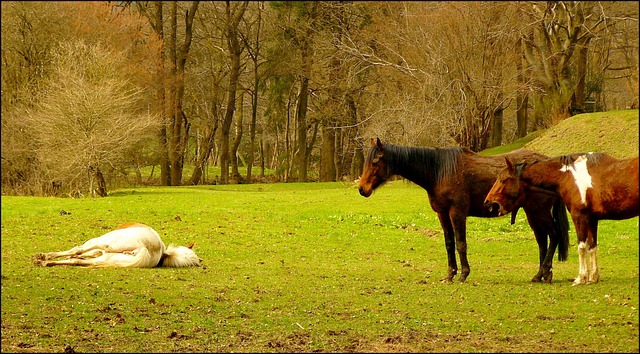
[
  {"x": 614, "y": 207},
  {"x": 139, "y": 258}
]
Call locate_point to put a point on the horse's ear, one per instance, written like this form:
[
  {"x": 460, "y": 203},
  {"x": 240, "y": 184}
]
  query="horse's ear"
[
  {"x": 191, "y": 245},
  {"x": 373, "y": 142},
  {"x": 509, "y": 164},
  {"x": 379, "y": 143}
]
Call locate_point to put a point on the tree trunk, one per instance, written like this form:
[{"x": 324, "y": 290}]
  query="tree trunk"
[
  {"x": 96, "y": 174},
  {"x": 177, "y": 57},
  {"x": 557, "y": 32},
  {"x": 206, "y": 146},
  {"x": 522, "y": 98},
  {"x": 181, "y": 124},
  {"x": 288, "y": 155},
  {"x": 358, "y": 163},
  {"x": 254, "y": 100},
  {"x": 235, "y": 174},
  {"x": 328, "y": 153},
  {"x": 304, "y": 40},
  {"x": 496, "y": 130},
  {"x": 262, "y": 155},
  {"x": 232, "y": 21},
  {"x": 353, "y": 148},
  {"x": 301, "y": 119},
  {"x": 252, "y": 129},
  {"x": 165, "y": 166},
  {"x": 170, "y": 89},
  {"x": 581, "y": 72}
]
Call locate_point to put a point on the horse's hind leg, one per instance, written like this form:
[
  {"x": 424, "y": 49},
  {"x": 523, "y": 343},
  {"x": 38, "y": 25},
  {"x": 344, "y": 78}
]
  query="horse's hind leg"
[
  {"x": 70, "y": 262},
  {"x": 91, "y": 254},
  {"x": 75, "y": 252},
  {"x": 541, "y": 240},
  {"x": 546, "y": 249},
  {"x": 450, "y": 245},
  {"x": 53, "y": 255},
  {"x": 459, "y": 223},
  {"x": 541, "y": 221},
  {"x": 592, "y": 266}
]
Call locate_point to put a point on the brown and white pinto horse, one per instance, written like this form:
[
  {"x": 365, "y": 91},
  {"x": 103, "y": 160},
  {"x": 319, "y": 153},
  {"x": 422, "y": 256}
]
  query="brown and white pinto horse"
[
  {"x": 457, "y": 181},
  {"x": 132, "y": 245},
  {"x": 594, "y": 186}
]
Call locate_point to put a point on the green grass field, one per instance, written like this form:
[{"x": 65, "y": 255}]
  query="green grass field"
[{"x": 305, "y": 267}]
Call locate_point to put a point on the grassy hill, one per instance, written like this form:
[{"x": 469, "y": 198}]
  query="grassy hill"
[{"x": 613, "y": 132}]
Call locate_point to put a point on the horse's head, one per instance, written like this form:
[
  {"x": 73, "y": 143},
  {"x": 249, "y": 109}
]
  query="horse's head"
[
  {"x": 180, "y": 256},
  {"x": 375, "y": 172},
  {"x": 506, "y": 194}
]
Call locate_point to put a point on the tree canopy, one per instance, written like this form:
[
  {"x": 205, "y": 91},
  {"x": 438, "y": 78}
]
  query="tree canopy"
[{"x": 95, "y": 91}]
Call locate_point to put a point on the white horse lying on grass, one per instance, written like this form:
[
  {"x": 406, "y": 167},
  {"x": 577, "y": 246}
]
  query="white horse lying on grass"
[{"x": 132, "y": 245}]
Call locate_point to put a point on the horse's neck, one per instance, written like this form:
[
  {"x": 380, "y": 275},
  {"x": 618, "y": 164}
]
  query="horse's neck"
[
  {"x": 418, "y": 165},
  {"x": 545, "y": 175}
]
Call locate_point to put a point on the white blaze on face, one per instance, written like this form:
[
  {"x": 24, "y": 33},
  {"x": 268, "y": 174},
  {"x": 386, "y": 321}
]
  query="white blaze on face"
[{"x": 580, "y": 175}]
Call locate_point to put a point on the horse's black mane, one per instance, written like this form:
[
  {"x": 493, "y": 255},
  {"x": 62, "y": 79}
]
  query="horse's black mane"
[
  {"x": 426, "y": 161},
  {"x": 569, "y": 159}
]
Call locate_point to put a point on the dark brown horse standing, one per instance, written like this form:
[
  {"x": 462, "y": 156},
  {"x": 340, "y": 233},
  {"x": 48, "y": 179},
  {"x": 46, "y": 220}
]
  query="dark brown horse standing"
[
  {"x": 457, "y": 181},
  {"x": 594, "y": 186}
]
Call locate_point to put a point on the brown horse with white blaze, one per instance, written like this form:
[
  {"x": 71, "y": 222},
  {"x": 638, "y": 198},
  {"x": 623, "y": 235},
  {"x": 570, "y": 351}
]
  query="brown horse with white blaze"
[
  {"x": 594, "y": 186},
  {"x": 457, "y": 181}
]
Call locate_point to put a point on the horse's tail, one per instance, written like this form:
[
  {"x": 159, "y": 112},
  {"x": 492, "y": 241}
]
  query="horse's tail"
[
  {"x": 179, "y": 256},
  {"x": 561, "y": 228}
]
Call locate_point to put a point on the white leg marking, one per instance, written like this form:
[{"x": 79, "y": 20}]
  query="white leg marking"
[
  {"x": 582, "y": 264},
  {"x": 580, "y": 175}
]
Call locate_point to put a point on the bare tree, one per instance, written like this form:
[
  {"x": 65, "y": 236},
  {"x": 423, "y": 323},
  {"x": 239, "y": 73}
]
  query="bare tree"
[
  {"x": 254, "y": 42},
  {"x": 556, "y": 49},
  {"x": 174, "y": 133},
  {"x": 88, "y": 119},
  {"x": 233, "y": 12},
  {"x": 33, "y": 31}
]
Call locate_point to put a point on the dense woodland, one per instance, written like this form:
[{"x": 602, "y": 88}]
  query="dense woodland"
[{"x": 99, "y": 92}]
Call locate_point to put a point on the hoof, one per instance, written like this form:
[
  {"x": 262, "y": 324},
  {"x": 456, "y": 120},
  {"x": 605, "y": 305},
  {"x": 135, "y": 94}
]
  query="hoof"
[
  {"x": 40, "y": 260},
  {"x": 579, "y": 281},
  {"x": 447, "y": 280}
]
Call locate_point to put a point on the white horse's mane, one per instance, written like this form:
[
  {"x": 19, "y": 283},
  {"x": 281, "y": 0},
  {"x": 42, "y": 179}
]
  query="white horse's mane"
[{"x": 178, "y": 257}]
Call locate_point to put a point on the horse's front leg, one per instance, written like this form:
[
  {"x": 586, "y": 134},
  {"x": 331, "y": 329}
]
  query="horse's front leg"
[
  {"x": 545, "y": 249},
  {"x": 459, "y": 223},
  {"x": 593, "y": 273},
  {"x": 582, "y": 230},
  {"x": 450, "y": 245}
]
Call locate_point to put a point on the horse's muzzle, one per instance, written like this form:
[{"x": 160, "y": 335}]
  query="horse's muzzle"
[
  {"x": 363, "y": 192},
  {"x": 491, "y": 206}
]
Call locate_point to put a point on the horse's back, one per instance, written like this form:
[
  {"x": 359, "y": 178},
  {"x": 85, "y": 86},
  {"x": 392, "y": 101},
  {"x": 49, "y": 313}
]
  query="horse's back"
[
  {"x": 132, "y": 237},
  {"x": 523, "y": 154},
  {"x": 494, "y": 164},
  {"x": 616, "y": 185},
  {"x": 477, "y": 173}
]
